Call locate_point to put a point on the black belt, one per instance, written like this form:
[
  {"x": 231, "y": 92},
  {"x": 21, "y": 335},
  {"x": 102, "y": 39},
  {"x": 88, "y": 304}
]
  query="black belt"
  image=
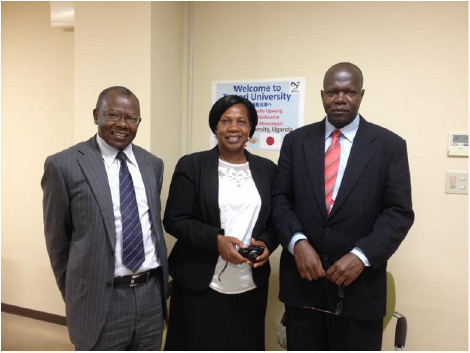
[{"x": 135, "y": 280}]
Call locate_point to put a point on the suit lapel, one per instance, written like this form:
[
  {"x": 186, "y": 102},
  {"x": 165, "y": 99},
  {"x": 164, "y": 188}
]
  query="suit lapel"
[
  {"x": 211, "y": 181},
  {"x": 92, "y": 165},
  {"x": 363, "y": 149},
  {"x": 314, "y": 149},
  {"x": 146, "y": 171},
  {"x": 264, "y": 189},
  {"x": 149, "y": 178}
]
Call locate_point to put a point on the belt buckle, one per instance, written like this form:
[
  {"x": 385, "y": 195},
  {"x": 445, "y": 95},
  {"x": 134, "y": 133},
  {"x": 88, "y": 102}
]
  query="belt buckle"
[
  {"x": 134, "y": 277},
  {"x": 133, "y": 284}
]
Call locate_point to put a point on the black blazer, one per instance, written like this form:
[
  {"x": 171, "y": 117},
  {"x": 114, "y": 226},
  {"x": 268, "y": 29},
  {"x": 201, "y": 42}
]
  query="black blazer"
[
  {"x": 372, "y": 211},
  {"x": 192, "y": 216}
]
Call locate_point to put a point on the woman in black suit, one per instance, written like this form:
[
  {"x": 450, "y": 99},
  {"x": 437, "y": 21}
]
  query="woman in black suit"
[{"x": 220, "y": 201}]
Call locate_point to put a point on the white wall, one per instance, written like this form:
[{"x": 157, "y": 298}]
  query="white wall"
[
  {"x": 167, "y": 87},
  {"x": 112, "y": 48},
  {"x": 414, "y": 57},
  {"x": 37, "y": 120}
]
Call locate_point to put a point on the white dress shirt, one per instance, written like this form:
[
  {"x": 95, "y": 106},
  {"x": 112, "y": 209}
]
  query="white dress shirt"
[
  {"x": 112, "y": 166},
  {"x": 346, "y": 140}
]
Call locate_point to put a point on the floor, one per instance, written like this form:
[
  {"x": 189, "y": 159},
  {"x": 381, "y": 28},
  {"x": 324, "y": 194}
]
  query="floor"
[{"x": 24, "y": 334}]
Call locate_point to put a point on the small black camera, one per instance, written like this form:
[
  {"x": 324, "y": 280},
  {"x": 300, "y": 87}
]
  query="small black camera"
[{"x": 251, "y": 252}]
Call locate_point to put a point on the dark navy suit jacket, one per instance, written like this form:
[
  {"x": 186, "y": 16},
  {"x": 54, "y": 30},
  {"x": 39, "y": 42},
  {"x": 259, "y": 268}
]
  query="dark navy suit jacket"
[{"x": 372, "y": 211}]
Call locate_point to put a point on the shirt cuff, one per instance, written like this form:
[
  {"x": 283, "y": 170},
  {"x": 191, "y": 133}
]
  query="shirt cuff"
[
  {"x": 360, "y": 254},
  {"x": 295, "y": 238}
]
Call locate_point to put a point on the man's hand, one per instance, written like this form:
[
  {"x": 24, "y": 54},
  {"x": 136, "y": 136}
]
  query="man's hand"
[
  {"x": 345, "y": 270},
  {"x": 226, "y": 247},
  {"x": 307, "y": 260},
  {"x": 263, "y": 258}
]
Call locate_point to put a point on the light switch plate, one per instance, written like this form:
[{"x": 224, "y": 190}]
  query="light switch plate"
[{"x": 457, "y": 183}]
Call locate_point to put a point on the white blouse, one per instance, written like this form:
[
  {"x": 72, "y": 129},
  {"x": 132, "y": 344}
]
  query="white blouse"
[{"x": 239, "y": 204}]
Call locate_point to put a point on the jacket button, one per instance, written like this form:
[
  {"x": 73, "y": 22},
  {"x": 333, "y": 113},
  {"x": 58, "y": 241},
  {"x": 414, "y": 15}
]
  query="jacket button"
[
  {"x": 109, "y": 283},
  {"x": 327, "y": 230},
  {"x": 325, "y": 257}
]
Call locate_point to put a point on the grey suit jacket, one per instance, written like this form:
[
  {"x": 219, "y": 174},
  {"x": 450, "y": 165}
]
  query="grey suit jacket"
[{"x": 80, "y": 232}]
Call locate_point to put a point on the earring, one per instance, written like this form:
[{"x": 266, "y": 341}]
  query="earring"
[{"x": 215, "y": 135}]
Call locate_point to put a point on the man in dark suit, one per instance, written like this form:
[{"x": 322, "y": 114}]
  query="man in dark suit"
[
  {"x": 341, "y": 212},
  {"x": 104, "y": 234}
]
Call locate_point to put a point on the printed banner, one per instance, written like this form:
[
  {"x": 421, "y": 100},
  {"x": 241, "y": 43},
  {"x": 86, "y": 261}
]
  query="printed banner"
[{"x": 279, "y": 103}]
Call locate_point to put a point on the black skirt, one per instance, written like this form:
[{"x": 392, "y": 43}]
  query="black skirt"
[{"x": 208, "y": 320}]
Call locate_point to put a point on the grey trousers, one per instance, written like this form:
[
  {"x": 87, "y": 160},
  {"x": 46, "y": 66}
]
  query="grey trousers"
[{"x": 134, "y": 320}]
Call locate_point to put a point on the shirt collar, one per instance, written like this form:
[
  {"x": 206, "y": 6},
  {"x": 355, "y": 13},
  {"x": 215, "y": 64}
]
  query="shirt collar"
[
  {"x": 349, "y": 131},
  {"x": 109, "y": 153}
]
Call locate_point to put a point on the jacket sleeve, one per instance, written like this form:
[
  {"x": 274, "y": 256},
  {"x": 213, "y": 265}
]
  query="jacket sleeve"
[
  {"x": 57, "y": 220},
  {"x": 180, "y": 218},
  {"x": 397, "y": 215}
]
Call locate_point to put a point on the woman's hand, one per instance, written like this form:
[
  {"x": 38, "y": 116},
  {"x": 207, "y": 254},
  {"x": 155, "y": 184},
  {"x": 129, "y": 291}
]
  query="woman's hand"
[
  {"x": 263, "y": 258},
  {"x": 226, "y": 246}
]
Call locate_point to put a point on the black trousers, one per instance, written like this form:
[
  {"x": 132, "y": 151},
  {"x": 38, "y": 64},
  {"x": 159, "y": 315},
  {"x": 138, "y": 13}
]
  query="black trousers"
[
  {"x": 312, "y": 330},
  {"x": 208, "y": 320}
]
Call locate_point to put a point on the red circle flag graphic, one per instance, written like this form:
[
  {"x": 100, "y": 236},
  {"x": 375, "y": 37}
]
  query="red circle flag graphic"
[{"x": 270, "y": 140}]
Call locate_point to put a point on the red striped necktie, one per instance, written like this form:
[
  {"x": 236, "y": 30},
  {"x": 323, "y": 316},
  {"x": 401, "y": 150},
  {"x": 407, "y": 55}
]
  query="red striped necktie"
[{"x": 332, "y": 157}]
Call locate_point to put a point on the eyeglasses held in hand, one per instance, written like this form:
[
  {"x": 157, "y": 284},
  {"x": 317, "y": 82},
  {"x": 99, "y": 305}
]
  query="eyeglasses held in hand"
[
  {"x": 339, "y": 306},
  {"x": 112, "y": 115}
]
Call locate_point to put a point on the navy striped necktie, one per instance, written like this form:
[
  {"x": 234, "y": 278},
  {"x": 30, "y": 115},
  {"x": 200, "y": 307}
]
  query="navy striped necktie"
[{"x": 132, "y": 242}]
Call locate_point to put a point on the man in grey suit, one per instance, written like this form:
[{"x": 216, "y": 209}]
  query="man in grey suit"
[{"x": 103, "y": 232}]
